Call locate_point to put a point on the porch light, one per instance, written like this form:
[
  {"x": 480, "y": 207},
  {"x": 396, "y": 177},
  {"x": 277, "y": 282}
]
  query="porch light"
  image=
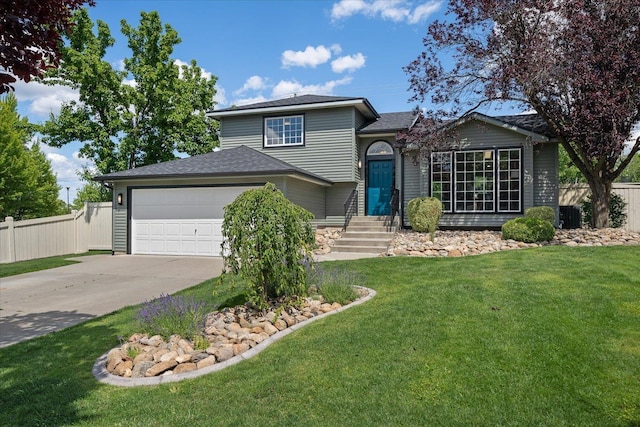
[
  {"x": 359, "y": 164},
  {"x": 119, "y": 198}
]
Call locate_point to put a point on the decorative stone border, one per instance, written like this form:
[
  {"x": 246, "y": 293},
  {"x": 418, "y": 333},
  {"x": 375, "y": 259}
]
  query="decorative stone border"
[{"x": 99, "y": 370}]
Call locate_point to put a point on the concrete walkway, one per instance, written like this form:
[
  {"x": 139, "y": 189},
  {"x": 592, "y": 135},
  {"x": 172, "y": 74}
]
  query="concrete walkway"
[
  {"x": 35, "y": 304},
  {"x": 38, "y": 303}
]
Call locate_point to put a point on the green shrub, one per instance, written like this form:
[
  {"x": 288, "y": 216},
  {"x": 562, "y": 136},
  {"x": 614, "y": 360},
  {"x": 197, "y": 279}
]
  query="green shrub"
[
  {"x": 336, "y": 285},
  {"x": 546, "y": 213},
  {"x": 268, "y": 242},
  {"x": 528, "y": 230},
  {"x": 424, "y": 214},
  {"x": 617, "y": 214}
]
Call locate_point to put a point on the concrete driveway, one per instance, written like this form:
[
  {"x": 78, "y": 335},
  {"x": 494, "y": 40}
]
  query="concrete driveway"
[{"x": 35, "y": 304}]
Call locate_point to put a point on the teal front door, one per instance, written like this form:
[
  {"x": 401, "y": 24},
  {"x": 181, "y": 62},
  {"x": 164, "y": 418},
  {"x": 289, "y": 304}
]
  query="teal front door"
[{"x": 379, "y": 183}]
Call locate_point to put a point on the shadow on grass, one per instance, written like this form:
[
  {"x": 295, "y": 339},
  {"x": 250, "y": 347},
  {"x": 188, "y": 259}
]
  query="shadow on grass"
[
  {"x": 19, "y": 327},
  {"x": 42, "y": 380}
]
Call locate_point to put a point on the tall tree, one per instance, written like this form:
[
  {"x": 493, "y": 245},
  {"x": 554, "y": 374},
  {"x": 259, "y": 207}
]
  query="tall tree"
[
  {"x": 576, "y": 62},
  {"x": 31, "y": 35},
  {"x": 137, "y": 116},
  {"x": 28, "y": 187},
  {"x": 91, "y": 191}
]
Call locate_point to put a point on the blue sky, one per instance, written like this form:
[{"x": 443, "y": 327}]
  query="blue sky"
[{"x": 261, "y": 50}]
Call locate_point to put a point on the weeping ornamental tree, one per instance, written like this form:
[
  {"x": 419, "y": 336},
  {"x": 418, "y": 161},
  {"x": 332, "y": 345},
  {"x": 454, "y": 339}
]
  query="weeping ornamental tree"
[
  {"x": 268, "y": 242},
  {"x": 576, "y": 62}
]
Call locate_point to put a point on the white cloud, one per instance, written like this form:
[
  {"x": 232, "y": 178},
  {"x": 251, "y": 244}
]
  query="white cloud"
[
  {"x": 287, "y": 88},
  {"x": 348, "y": 63},
  {"x": 220, "y": 98},
  {"x": 252, "y": 83},
  {"x": 310, "y": 57},
  {"x": 42, "y": 99},
  {"x": 251, "y": 100},
  {"x": 394, "y": 10},
  {"x": 203, "y": 73},
  {"x": 118, "y": 65},
  {"x": 346, "y": 8},
  {"x": 422, "y": 12}
]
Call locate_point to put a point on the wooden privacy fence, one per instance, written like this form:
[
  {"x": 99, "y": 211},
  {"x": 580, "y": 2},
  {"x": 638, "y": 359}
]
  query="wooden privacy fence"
[
  {"x": 77, "y": 232},
  {"x": 574, "y": 194}
]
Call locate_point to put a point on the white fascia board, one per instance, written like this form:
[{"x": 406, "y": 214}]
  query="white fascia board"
[{"x": 360, "y": 104}]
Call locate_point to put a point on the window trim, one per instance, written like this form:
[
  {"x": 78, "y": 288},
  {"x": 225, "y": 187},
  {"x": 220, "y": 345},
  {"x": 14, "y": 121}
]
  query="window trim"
[
  {"x": 486, "y": 189},
  {"x": 495, "y": 184},
  {"x": 520, "y": 181},
  {"x": 265, "y": 128},
  {"x": 443, "y": 154}
]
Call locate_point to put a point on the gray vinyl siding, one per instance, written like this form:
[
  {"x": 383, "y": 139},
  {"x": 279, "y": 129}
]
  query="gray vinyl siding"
[
  {"x": 545, "y": 176},
  {"x": 119, "y": 218},
  {"x": 309, "y": 196},
  {"x": 412, "y": 185},
  {"x": 335, "y": 197},
  {"x": 329, "y": 149}
]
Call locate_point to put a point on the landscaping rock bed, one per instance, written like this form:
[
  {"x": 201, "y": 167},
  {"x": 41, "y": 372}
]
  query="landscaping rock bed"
[
  {"x": 325, "y": 238},
  {"x": 228, "y": 333},
  {"x": 461, "y": 243}
]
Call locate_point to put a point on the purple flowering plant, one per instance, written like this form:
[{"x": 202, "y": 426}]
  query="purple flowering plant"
[{"x": 168, "y": 315}]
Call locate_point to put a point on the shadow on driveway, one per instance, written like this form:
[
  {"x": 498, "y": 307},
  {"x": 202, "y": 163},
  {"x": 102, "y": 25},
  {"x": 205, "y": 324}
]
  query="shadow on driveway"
[{"x": 20, "y": 327}]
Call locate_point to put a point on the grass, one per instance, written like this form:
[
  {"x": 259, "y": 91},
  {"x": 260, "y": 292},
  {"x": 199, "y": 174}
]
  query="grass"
[
  {"x": 547, "y": 336},
  {"x": 31, "y": 265}
]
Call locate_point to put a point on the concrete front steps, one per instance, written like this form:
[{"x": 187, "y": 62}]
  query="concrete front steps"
[{"x": 365, "y": 234}]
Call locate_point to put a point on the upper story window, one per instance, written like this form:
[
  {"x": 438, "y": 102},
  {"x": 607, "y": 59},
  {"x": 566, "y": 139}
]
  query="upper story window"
[{"x": 283, "y": 131}]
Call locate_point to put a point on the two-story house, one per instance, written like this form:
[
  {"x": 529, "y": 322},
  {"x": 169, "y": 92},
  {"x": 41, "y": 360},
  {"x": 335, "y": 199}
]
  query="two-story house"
[{"x": 336, "y": 157}]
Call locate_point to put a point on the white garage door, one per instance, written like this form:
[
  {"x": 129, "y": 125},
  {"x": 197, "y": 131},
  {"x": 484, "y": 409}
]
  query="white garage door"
[{"x": 179, "y": 221}]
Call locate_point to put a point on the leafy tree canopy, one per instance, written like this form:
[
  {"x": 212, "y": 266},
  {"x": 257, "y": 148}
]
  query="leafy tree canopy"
[
  {"x": 91, "y": 191},
  {"x": 141, "y": 115},
  {"x": 31, "y": 36},
  {"x": 576, "y": 62},
  {"x": 28, "y": 187}
]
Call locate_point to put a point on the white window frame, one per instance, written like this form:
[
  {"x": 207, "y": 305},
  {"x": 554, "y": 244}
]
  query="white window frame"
[{"x": 287, "y": 134}]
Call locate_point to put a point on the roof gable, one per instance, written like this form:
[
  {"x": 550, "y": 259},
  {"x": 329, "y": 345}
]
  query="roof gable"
[
  {"x": 530, "y": 125},
  {"x": 390, "y": 122}
]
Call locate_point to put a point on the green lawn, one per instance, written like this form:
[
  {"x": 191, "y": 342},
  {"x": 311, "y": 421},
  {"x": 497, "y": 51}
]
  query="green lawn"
[
  {"x": 548, "y": 336},
  {"x": 22, "y": 267}
]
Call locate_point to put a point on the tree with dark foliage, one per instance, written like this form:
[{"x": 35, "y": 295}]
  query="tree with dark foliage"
[
  {"x": 31, "y": 35},
  {"x": 576, "y": 62}
]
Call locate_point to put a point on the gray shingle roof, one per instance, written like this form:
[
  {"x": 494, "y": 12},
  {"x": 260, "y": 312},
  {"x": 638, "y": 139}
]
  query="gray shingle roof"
[
  {"x": 235, "y": 161},
  {"x": 293, "y": 100},
  {"x": 390, "y": 122},
  {"x": 531, "y": 122}
]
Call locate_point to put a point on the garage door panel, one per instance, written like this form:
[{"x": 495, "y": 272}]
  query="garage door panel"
[{"x": 179, "y": 221}]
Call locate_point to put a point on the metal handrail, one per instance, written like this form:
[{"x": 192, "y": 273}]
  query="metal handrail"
[
  {"x": 394, "y": 207},
  {"x": 350, "y": 208}
]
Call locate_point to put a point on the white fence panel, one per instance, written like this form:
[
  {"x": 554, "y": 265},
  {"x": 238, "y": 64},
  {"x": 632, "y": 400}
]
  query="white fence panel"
[
  {"x": 574, "y": 194},
  {"x": 57, "y": 235},
  {"x": 98, "y": 217}
]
